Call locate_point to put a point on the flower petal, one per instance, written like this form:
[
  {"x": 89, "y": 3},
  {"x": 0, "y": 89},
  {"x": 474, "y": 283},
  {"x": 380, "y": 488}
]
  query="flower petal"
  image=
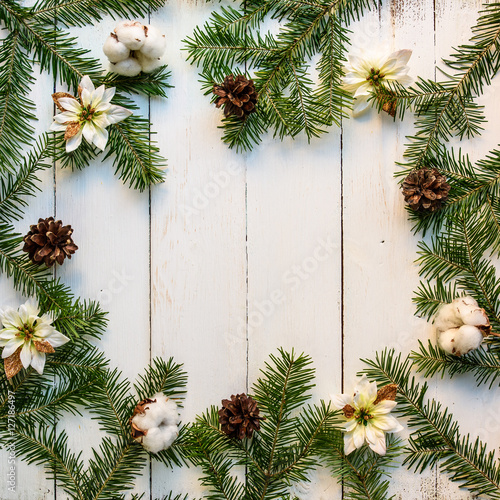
[
  {"x": 11, "y": 347},
  {"x": 74, "y": 142},
  {"x": 26, "y": 355},
  {"x": 57, "y": 339},
  {"x": 86, "y": 96},
  {"x": 70, "y": 104},
  {"x": 340, "y": 400},
  {"x": 100, "y": 138},
  {"x": 116, "y": 114},
  {"x": 109, "y": 94},
  {"x": 57, "y": 127},
  {"x": 38, "y": 361},
  {"x": 348, "y": 444},
  {"x": 361, "y": 104},
  {"x": 86, "y": 83}
]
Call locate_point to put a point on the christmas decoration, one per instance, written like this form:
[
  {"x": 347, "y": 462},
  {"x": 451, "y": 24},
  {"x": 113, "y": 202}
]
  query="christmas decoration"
[
  {"x": 239, "y": 416},
  {"x": 425, "y": 189},
  {"x": 368, "y": 416},
  {"x": 49, "y": 242},
  {"x": 461, "y": 326},
  {"x": 370, "y": 69},
  {"x": 292, "y": 97},
  {"x": 237, "y": 95},
  {"x": 133, "y": 47},
  {"x": 26, "y": 337},
  {"x": 88, "y": 116},
  {"x": 154, "y": 423}
]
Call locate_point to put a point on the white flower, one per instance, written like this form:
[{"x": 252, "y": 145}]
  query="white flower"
[
  {"x": 154, "y": 423},
  {"x": 28, "y": 335},
  {"x": 461, "y": 326},
  {"x": 368, "y": 416},
  {"x": 87, "y": 116},
  {"x": 370, "y": 69}
]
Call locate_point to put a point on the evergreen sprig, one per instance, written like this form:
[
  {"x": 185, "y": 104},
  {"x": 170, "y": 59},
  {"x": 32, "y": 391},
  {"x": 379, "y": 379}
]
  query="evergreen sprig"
[
  {"x": 447, "y": 108},
  {"x": 86, "y": 382},
  {"x": 289, "y": 101},
  {"x": 285, "y": 449},
  {"x": 363, "y": 473},
  {"x": 34, "y": 34},
  {"x": 435, "y": 439}
]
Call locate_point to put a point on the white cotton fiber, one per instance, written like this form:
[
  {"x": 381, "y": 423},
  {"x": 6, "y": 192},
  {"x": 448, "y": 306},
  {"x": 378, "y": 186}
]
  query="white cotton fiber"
[
  {"x": 159, "y": 421},
  {"x": 460, "y": 341},
  {"x": 147, "y": 65},
  {"x": 154, "y": 43},
  {"x": 131, "y": 33},
  {"x": 447, "y": 318},
  {"x": 475, "y": 316},
  {"x": 127, "y": 67},
  {"x": 114, "y": 50}
]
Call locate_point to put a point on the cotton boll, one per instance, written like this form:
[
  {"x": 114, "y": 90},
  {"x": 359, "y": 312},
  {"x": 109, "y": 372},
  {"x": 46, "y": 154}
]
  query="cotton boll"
[
  {"x": 464, "y": 303},
  {"x": 169, "y": 410},
  {"x": 154, "y": 43},
  {"x": 154, "y": 440},
  {"x": 148, "y": 65},
  {"x": 469, "y": 338},
  {"x": 447, "y": 340},
  {"x": 131, "y": 33},
  {"x": 169, "y": 435},
  {"x": 152, "y": 417},
  {"x": 115, "y": 50},
  {"x": 127, "y": 67},
  {"x": 475, "y": 316},
  {"x": 447, "y": 318}
]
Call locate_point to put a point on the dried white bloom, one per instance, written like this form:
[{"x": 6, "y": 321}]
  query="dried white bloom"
[
  {"x": 134, "y": 47},
  {"x": 154, "y": 423},
  {"x": 115, "y": 50},
  {"x": 154, "y": 44},
  {"x": 127, "y": 67},
  {"x": 148, "y": 65},
  {"x": 461, "y": 326},
  {"x": 131, "y": 34},
  {"x": 88, "y": 115},
  {"x": 460, "y": 341}
]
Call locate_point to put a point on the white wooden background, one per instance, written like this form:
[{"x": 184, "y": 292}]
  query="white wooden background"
[{"x": 219, "y": 266}]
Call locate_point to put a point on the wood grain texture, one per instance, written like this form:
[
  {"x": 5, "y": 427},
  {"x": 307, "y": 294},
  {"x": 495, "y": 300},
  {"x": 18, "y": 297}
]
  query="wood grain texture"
[{"x": 294, "y": 245}]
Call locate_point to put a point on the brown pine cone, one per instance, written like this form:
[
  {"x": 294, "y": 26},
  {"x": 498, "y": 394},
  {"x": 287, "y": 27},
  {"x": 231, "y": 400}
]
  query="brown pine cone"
[
  {"x": 425, "y": 189},
  {"x": 238, "y": 96},
  {"x": 239, "y": 416},
  {"x": 49, "y": 242}
]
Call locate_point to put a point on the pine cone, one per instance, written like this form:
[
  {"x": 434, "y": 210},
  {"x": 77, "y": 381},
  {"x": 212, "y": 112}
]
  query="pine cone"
[
  {"x": 239, "y": 416},
  {"x": 425, "y": 189},
  {"x": 49, "y": 241},
  {"x": 237, "y": 95}
]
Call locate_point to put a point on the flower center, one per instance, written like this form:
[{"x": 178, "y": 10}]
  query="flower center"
[
  {"x": 26, "y": 331},
  {"x": 87, "y": 114},
  {"x": 375, "y": 76},
  {"x": 363, "y": 416}
]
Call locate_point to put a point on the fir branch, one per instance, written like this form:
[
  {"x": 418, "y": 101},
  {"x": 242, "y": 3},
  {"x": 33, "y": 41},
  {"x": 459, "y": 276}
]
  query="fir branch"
[
  {"x": 435, "y": 437},
  {"x": 284, "y": 450},
  {"x": 15, "y": 188},
  {"x": 16, "y": 109},
  {"x": 288, "y": 102},
  {"x": 484, "y": 365},
  {"x": 39, "y": 444},
  {"x": 153, "y": 84},
  {"x": 447, "y": 108},
  {"x": 85, "y": 12},
  {"x": 363, "y": 473}
]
